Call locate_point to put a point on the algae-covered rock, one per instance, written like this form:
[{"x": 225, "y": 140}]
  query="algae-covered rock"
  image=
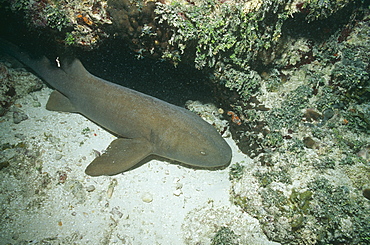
[
  {"x": 324, "y": 213},
  {"x": 15, "y": 83},
  {"x": 221, "y": 225}
]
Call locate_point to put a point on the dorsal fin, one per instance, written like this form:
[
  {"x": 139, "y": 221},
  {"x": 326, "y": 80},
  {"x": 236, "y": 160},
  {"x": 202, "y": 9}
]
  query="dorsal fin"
[{"x": 73, "y": 67}]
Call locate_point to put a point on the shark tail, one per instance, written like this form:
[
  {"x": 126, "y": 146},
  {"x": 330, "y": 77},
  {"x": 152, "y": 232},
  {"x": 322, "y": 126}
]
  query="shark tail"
[{"x": 56, "y": 73}]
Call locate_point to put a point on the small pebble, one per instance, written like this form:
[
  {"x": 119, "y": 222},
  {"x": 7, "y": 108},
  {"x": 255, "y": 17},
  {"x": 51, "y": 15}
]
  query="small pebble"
[
  {"x": 36, "y": 104},
  {"x": 177, "y": 192},
  {"x": 111, "y": 186},
  {"x": 147, "y": 197},
  {"x": 58, "y": 156},
  {"x": 328, "y": 113},
  {"x": 115, "y": 211},
  {"x": 364, "y": 153},
  {"x": 310, "y": 143},
  {"x": 19, "y": 117},
  {"x": 4, "y": 164},
  {"x": 178, "y": 186},
  {"x": 312, "y": 115},
  {"x": 90, "y": 188},
  {"x": 62, "y": 177},
  {"x": 366, "y": 193}
]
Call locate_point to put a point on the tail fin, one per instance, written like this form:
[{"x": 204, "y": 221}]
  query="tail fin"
[
  {"x": 57, "y": 73},
  {"x": 37, "y": 65}
]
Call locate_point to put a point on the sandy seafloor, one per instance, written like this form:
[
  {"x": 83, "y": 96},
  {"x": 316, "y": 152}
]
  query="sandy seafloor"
[{"x": 47, "y": 198}]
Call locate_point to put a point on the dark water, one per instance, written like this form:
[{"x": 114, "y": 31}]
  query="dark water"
[{"x": 115, "y": 63}]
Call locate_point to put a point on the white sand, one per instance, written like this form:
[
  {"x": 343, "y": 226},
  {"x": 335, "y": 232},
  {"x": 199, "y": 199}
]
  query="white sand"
[{"x": 157, "y": 203}]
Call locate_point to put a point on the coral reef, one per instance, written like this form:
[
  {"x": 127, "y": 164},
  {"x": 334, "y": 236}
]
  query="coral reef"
[
  {"x": 79, "y": 23},
  {"x": 310, "y": 145},
  {"x": 214, "y": 34},
  {"x": 135, "y": 22}
]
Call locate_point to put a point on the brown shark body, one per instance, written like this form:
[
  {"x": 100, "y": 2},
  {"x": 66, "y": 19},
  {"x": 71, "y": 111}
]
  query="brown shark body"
[{"x": 144, "y": 125}]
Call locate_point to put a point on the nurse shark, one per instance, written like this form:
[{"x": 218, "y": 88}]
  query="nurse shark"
[{"x": 145, "y": 126}]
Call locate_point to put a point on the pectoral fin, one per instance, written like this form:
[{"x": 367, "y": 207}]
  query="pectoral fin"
[
  {"x": 121, "y": 155},
  {"x": 58, "y": 102}
]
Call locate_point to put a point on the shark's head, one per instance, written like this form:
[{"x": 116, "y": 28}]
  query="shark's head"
[
  {"x": 207, "y": 151},
  {"x": 199, "y": 146}
]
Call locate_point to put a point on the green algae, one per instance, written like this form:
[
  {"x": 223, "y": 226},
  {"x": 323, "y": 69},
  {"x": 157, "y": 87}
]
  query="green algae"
[
  {"x": 273, "y": 139},
  {"x": 224, "y": 236},
  {"x": 336, "y": 205},
  {"x": 86, "y": 131},
  {"x": 40, "y": 14},
  {"x": 289, "y": 113},
  {"x": 300, "y": 200},
  {"x": 236, "y": 171},
  {"x": 321, "y": 9},
  {"x": 266, "y": 178},
  {"x": 217, "y": 29}
]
